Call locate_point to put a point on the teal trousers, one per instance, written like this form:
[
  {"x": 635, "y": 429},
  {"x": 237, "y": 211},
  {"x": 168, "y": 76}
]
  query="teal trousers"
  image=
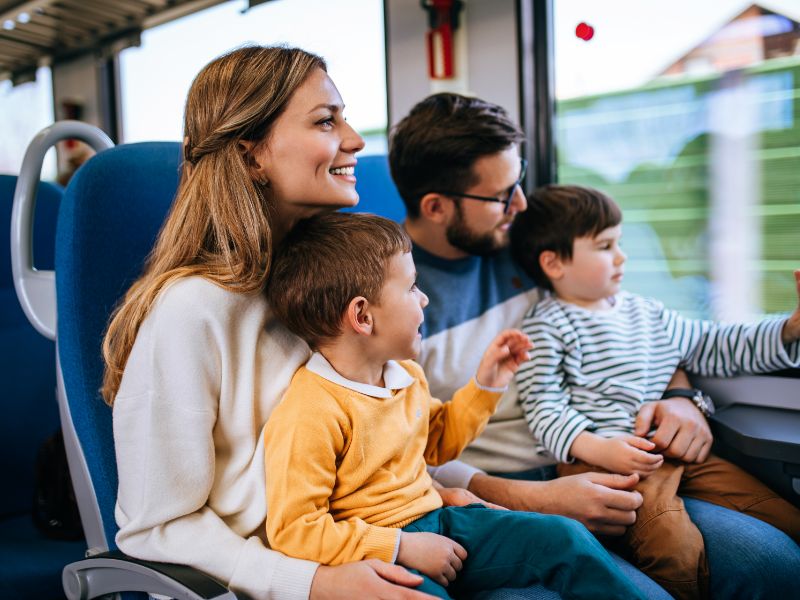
[{"x": 516, "y": 549}]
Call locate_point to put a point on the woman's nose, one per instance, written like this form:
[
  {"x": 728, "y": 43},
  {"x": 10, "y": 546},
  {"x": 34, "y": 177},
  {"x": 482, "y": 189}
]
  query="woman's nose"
[{"x": 352, "y": 141}]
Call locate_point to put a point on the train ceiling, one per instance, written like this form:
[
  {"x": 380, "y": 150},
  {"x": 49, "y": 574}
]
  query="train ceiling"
[{"x": 40, "y": 32}]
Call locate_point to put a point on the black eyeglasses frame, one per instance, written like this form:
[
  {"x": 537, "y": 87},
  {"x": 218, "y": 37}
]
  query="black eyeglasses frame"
[{"x": 509, "y": 194}]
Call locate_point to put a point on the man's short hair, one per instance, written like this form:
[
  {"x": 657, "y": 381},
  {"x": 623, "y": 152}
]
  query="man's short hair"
[
  {"x": 557, "y": 215},
  {"x": 326, "y": 261},
  {"x": 436, "y": 145}
]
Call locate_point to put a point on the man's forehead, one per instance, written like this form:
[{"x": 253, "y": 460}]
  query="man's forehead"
[{"x": 498, "y": 170}]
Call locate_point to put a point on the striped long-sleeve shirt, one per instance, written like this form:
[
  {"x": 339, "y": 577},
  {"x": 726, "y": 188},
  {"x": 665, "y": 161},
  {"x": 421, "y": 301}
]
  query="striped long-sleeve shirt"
[{"x": 593, "y": 370}]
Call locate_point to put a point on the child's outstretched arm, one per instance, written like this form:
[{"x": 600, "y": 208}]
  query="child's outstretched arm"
[
  {"x": 452, "y": 425},
  {"x": 724, "y": 350},
  {"x": 791, "y": 328}
]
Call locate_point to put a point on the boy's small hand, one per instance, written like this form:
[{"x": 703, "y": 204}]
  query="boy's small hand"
[
  {"x": 627, "y": 454},
  {"x": 439, "y": 557},
  {"x": 502, "y": 358},
  {"x": 462, "y": 497},
  {"x": 791, "y": 329}
]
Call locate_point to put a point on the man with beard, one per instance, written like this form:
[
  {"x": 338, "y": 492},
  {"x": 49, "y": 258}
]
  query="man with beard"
[{"x": 456, "y": 163}]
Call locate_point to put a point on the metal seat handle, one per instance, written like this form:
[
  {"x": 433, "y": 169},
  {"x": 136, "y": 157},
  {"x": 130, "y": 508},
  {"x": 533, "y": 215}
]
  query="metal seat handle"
[{"x": 36, "y": 290}]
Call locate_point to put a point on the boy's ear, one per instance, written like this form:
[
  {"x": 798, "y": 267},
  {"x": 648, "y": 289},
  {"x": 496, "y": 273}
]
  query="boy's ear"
[
  {"x": 358, "y": 316},
  {"x": 551, "y": 264},
  {"x": 436, "y": 208}
]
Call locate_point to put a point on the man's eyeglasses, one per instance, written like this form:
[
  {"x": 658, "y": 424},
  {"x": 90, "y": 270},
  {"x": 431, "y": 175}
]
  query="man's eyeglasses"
[{"x": 507, "y": 196}]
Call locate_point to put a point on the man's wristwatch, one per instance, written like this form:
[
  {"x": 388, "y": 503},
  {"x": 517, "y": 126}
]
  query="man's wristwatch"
[{"x": 701, "y": 400}]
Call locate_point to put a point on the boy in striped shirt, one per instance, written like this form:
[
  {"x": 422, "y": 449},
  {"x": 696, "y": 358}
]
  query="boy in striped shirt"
[{"x": 600, "y": 353}]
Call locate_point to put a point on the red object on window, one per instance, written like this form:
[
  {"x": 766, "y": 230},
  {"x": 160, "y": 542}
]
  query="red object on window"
[{"x": 584, "y": 31}]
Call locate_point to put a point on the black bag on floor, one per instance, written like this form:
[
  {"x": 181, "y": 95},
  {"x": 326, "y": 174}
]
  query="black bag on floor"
[{"x": 55, "y": 510}]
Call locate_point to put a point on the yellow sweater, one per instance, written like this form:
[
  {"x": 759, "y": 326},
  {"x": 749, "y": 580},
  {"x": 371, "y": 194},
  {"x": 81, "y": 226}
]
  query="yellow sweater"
[{"x": 346, "y": 470}]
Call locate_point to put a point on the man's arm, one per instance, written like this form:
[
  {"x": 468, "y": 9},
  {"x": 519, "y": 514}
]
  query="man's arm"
[{"x": 604, "y": 502}]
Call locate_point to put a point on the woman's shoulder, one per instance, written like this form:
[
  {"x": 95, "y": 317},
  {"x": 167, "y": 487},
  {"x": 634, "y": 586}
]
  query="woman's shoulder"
[{"x": 197, "y": 298}]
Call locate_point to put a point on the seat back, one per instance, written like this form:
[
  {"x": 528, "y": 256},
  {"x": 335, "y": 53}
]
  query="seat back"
[
  {"x": 30, "y": 412},
  {"x": 110, "y": 216},
  {"x": 376, "y": 190}
]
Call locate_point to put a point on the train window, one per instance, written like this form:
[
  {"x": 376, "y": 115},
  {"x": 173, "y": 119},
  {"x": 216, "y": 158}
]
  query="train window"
[
  {"x": 349, "y": 34},
  {"x": 25, "y": 109},
  {"x": 688, "y": 114}
]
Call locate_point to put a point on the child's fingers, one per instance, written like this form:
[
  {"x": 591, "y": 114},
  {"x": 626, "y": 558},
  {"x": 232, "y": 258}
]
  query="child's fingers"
[
  {"x": 797, "y": 282},
  {"x": 639, "y": 442},
  {"x": 512, "y": 337},
  {"x": 645, "y": 458}
]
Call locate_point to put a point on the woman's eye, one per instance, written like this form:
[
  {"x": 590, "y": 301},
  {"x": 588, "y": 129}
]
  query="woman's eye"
[{"x": 326, "y": 123}]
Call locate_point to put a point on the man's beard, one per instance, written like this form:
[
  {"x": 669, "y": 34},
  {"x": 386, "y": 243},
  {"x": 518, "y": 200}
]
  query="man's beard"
[{"x": 479, "y": 244}]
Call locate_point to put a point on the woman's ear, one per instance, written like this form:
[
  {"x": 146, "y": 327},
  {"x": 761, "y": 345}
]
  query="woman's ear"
[
  {"x": 358, "y": 316},
  {"x": 552, "y": 265},
  {"x": 436, "y": 208},
  {"x": 247, "y": 149}
]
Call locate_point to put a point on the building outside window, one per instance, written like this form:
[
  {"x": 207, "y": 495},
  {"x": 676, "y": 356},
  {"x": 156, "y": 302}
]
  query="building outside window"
[{"x": 688, "y": 114}]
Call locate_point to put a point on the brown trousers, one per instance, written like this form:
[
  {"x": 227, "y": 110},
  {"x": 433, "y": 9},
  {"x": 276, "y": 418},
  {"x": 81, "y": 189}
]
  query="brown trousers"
[{"x": 665, "y": 544}]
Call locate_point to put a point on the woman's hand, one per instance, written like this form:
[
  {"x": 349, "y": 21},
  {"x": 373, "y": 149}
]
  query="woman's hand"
[
  {"x": 439, "y": 557},
  {"x": 369, "y": 579},
  {"x": 502, "y": 358},
  {"x": 462, "y": 497}
]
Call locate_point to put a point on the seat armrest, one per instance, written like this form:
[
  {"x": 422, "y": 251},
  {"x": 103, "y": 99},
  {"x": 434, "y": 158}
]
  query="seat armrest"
[
  {"x": 760, "y": 431},
  {"x": 112, "y": 572},
  {"x": 765, "y": 441}
]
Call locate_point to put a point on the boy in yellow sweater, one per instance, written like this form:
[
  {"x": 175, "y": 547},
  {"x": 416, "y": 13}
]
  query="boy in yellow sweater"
[{"x": 346, "y": 450}]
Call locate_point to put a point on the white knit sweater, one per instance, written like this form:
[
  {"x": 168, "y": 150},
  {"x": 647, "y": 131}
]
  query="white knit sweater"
[{"x": 207, "y": 368}]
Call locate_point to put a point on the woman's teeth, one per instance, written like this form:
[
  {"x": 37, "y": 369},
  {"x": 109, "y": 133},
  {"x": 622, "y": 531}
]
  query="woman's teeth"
[{"x": 343, "y": 171}]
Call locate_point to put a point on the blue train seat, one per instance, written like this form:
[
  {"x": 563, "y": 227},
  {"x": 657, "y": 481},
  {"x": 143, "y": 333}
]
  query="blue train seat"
[
  {"x": 109, "y": 218},
  {"x": 376, "y": 190},
  {"x": 30, "y": 563}
]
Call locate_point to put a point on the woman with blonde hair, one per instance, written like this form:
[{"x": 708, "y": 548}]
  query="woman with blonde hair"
[{"x": 195, "y": 361}]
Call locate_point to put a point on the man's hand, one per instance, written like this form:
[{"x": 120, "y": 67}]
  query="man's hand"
[
  {"x": 439, "y": 557},
  {"x": 371, "y": 579},
  {"x": 502, "y": 358},
  {"x": 462, "y": 497},
  {"x": 604, "y": 502},
  {"x": 624, "y": 454},
  {"x": 681, "y": 430},
  {"x": 791, "y": 329}
]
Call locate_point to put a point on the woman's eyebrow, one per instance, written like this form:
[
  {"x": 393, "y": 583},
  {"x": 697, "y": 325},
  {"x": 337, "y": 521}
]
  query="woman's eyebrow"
[{"x": 331, "y": 107}]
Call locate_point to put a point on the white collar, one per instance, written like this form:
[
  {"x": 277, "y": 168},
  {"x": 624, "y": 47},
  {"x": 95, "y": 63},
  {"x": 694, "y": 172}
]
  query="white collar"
[{"x": 395, "y": 377}]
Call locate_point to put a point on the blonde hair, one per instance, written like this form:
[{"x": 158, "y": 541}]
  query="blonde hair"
[{"x": 219, "y": 224}]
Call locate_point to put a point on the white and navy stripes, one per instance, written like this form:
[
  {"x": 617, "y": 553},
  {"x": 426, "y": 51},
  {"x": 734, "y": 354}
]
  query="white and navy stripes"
[{"x": 593, "y": 370}]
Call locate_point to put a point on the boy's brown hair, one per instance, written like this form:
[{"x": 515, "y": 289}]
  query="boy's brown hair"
[
  {"x": 557, "y": 215},
  {"x": 324, "y": 263},
  {"x": 436, "y": 145}
]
